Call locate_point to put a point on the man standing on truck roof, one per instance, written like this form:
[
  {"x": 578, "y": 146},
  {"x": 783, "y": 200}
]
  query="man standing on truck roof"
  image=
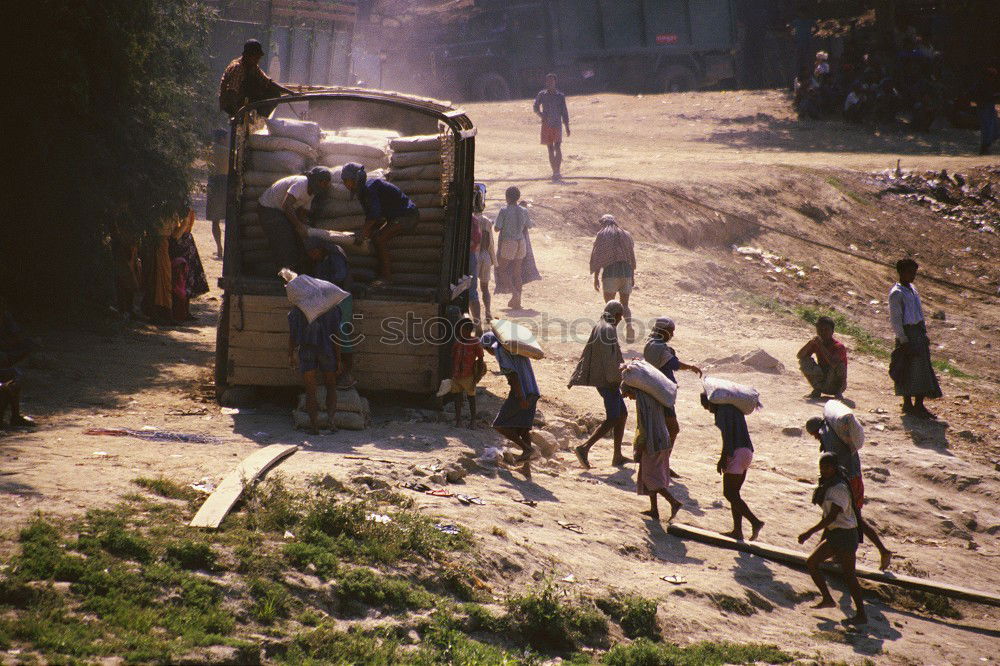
[
  {"x": 550, "y": 105},
  {"x": 244, "y": 82}
]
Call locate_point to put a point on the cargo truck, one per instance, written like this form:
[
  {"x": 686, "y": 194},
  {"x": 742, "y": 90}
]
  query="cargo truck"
[
  {"x": 505, "y": 48},
  {"x": 401, "y": 331}
]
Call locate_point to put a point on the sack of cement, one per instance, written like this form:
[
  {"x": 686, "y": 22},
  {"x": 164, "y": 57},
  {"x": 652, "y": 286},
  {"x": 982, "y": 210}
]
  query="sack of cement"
[
  {"x": 314, "y": 297},
  {"x": 368, "y": 133},
  {"x": 369, "y": 163},
  {"x": 280, "y": 161},
  {"x": 348, "y": 400},
  {"x": 724, "y": 392},
  {"x": 419, "y": 172},
  {"x": 264, "y": 178},
  {"x": 301, "y": 130},
  {"x": 400, "y": 160},
  {"x": 345, "y": 223},
  {"x": 345, "y": 239},
  {"x": 841, "y": 418},
  {"x": 267, "y": 143},
  {"x": 333, "y": 207},
  {"x": 645, "y": 377},
  {"x": 414, "y": 144},
  {"x": 365, "y": 148},
  {"x": 516, "y": 339},
  {"x": 342, "y": 420}
]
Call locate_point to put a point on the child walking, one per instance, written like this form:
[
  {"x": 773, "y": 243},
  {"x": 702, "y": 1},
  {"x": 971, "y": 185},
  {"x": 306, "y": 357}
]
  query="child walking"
[{"x": 466, "y": 364}]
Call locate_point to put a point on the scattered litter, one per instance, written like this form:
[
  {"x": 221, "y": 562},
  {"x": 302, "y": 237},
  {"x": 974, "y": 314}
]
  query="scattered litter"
[
  {"x": 440, "y": 492},
  {"x": 447, "y": 529},
  {"x": 415, "y": 486},
  {"x": 100, "y": 453},
  {"x": 674, "y": 579},
  {"x": 188, "y": 412},
  {"x": 151, "y": 434},
  {"x": 467, "y": 499},
  {"x": 572, "y": 527},
  {"x": 528, "y": 502},
  {"x": 492, "y": 454},
  {"x": 772, "y": 262},
  {"x": 952, "y": 196},
  {"x": 289, "y": 535},
  {"x": 262, "y": 435},
  {"x": 204, "y": 486},
  {"x": 378, "y": 518},
  {"x": 230, "y": 410},
  {"x": 568, "y": 579}
]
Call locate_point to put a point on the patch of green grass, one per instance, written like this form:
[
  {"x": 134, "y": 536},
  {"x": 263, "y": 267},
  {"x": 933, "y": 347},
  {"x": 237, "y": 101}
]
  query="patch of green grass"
[
  {"x": 847, "y": 191},
  {"x": 444, "y": 642},
  {"x": 166, "y": 488},
  {"x": 544, "y": 622},
  {"x": 360, "y": 588},
  {"x": 644, "y": 652},
  {"x": 270, "y": 600},
  {"x": 636, "y": 615},
  {"x": 917, "y": 600},
  {"x": 327, "y": 645},
  {"x": 866, "y": 342},
  {"x": 732, "y": 604},
  {"x": 945, "y": 366},
  {"x": 301, "y": 555},
  {"x": 191, "y": 555}
]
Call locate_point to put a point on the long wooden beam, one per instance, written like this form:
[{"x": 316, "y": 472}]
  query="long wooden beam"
[
  {"x": 798, "y": 559},
  {"x": 219, "y": 503}
]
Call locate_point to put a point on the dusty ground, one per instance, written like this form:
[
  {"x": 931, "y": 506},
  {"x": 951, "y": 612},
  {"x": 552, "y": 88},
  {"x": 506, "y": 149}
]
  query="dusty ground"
[{"x": 933, "y": 487}]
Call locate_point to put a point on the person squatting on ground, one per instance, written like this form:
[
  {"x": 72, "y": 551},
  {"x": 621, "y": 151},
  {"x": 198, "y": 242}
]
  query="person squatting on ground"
[
  {"x": 850, "y": 462},
  {"x": 388, "y": 213},
  {"x": 517, "y": 413},
  {"x": 737, "y": 454},
  {"x": 827, "y": 373},
  {"x": 663, "y": 357},
  {"x": 284, "y": 215},
  {"x": 466, "y": 365},
  {"x": 612, "y": 260},
  {"x": 487, "y": 257},
  {"x": 312, "y": 349},
  {"x": 652, "y": 448},
  {"x": 244, "y": 82},
  {"x": 550, "y": 106},
  {"x": 841, "y": 535},
  {"x": 329, "y": 263},
  {"x": 15, "y": 346},
  {"x": 600, "y": 367},
  {"x": 512, "y": 224},
  {"x": 913, "y": 374}
]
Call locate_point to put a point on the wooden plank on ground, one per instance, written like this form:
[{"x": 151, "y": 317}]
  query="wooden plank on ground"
[
  {"x": 798, "y": 559},
  {"x": 219, "y": 503}
]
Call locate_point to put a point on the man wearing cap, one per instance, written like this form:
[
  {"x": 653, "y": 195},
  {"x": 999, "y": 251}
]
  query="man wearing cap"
[
  {"x": 283, "y": 212},
  {"x": 244, "y": 82},
  {"x": 600, "y": 367},
  {"x": 612, "y": 259},
  {"x": 388, "y": 212}
]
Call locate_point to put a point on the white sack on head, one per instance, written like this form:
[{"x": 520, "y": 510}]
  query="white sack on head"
[
  {"x": 305, "y": 131},
  {"x": 842, "y": 419},
  {"x": 724, "y": 392},
  {"x": 314, "y": 297},
  {"x": 516, "y": 339},
  {"x": 646, "y": 377}
]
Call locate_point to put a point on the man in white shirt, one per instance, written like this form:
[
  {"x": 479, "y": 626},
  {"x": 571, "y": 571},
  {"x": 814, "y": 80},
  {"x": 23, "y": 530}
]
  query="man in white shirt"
[
  {"x": 912, "y": 372},
  {"x": 283, "y": 213}
]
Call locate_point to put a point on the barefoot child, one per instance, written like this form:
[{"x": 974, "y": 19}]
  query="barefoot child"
[
  {"x": 465, "y": 353},
  {"x": 827, "y": 373},
  {"x": 313, "y": 350},
  {"x": 840, "y": 535},
  {"x": 652, "y": 449},
  {"x": 517, "y": 413},
  {"x": 737, "y": 454}
]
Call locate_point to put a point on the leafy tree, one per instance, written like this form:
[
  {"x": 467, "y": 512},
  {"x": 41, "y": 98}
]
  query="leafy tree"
[{"x": 109, "y": 105}]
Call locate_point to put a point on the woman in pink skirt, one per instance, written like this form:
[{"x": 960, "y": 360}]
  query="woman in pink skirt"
[{"x": 652, "y": 449}]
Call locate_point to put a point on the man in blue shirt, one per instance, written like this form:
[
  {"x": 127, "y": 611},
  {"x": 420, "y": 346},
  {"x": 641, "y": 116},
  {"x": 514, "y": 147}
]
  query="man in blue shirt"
[
  {"x": 388, "y": 212},
  {"x": 550, "y": 106}
]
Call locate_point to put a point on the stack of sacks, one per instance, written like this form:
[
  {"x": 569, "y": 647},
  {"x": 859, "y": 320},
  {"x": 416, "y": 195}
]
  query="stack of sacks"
[
  {"x": 353, "y": 411},
  {"x": 285, "y": 148},
  {"x": 371, "y": 151}
]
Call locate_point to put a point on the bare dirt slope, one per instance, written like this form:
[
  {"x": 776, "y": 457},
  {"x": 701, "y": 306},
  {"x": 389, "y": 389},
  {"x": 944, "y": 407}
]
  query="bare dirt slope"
[{"x": 933, "y": 486}]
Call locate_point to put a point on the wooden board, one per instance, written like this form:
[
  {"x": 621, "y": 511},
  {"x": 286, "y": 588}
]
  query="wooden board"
[
  {"x": 218, "y": 504},
  {"x": 798, "y": 559}
]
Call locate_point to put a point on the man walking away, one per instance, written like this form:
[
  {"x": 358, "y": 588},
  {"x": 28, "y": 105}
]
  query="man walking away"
[
  {"x": 850, "y": 462},
  {"x": 915, "y": 379},
  {"x": 600, "y": 367},
  {"x": 550, "y": 105},
  {"x": 827, "y": 373},
  {"x": 244, "y": 82},
  {"x": 613, "y": 261}
]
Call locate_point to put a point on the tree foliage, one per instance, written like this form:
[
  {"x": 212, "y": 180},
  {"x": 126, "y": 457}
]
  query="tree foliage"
[{"x": 109, "y": 107}]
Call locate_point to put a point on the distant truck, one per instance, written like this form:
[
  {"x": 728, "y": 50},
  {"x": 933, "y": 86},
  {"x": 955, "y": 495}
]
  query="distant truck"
[{"x": 506, "y": 47}]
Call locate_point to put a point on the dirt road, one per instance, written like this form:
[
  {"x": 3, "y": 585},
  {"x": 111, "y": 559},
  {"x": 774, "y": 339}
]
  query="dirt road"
[{"x": 933, "y": 487}]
